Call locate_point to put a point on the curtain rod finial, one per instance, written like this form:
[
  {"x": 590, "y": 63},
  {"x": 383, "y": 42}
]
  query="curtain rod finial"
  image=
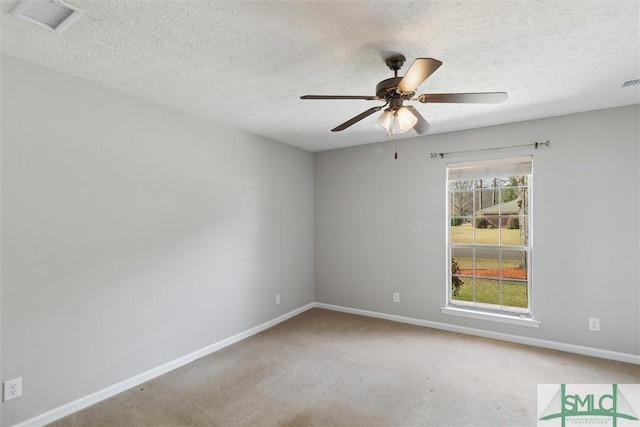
[{"x": 546, "y": 143}]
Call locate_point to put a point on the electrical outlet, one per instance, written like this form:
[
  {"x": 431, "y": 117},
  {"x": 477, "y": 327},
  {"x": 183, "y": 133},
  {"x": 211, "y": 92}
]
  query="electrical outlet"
[
  {"x": 594, "y": 324},
  {"x": 278, "y": 299},
  {"x": 12, "y": 389},
  {"x": 396, "y": 297}
]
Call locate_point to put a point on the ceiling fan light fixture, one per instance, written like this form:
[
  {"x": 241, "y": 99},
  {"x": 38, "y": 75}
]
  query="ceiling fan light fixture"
[
  {"x": 385, "y": 121},
  {"x": 405, "y": 120},
  {"x": 396, "y": 122}
]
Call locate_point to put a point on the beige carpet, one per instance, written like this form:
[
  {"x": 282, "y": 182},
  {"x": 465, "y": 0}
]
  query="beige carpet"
[{"x": 327, "y": 368}]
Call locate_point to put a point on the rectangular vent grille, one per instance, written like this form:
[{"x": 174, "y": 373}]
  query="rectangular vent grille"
[
  {"x": 55, "y": 15},
  {"x": 631, "y": 83}
]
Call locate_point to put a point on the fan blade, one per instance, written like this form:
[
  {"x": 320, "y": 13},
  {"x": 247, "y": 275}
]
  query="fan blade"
[
  {"x": 356, "y": 119},
  {"x": 480, "y": 97},
  {"x": 370, "y": 98},
  {"x": 423, "y": 125},
  {"x": 417, "y": 73}
]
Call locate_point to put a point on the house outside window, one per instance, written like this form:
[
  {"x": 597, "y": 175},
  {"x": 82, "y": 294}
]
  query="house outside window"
[{"x": 489, "y": 236}]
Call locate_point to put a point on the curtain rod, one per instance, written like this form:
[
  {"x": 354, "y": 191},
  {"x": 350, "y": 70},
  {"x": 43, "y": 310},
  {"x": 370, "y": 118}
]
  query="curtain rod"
[{"x": 479, "y": 150}]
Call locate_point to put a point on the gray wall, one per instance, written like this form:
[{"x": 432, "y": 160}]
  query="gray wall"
[
  {"x": 380, "y": 226},
  {"x": 133, "y": 235}
]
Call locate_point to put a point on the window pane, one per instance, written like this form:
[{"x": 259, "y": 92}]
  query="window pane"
[
  {"x": 461, "y": 203},
  {"x": 514, "y": 293},
  {"x": 510, "y": 222},
  {"x": 485, "y": 233},
  {"x": 464, "y": 286},
  {"x": 486, "y": 202},
  {"x": 462, "y": 233},
  {"x": 511, "y": 236},
  {"x": 487, "y": 262},
  {"x": 516, "y": 231},
  {"x": 516, "y": 193},
  {"x": 515, "y": 264},
  {"x": 463, "y": 259},
  {"x": 488, "y": 291}
]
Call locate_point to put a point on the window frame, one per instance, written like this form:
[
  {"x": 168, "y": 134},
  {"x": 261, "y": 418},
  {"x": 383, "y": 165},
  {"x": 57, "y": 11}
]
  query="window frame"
[{"x": 479, "y": 310}]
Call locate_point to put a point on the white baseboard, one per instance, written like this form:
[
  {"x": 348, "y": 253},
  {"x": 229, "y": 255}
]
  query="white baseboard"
[
  {"x": 86, "y": 401},
  {"x": 535, "y": 342}
]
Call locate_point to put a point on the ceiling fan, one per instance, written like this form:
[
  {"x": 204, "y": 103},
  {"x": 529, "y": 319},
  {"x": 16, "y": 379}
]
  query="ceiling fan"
[{"x": 398, "y": 118}]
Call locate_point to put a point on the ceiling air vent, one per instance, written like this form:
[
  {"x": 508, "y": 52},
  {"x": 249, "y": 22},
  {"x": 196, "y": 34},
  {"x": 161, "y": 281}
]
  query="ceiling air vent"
[
  {"x": 632, "y": 82},
  {"x": 55, "y": 15}
]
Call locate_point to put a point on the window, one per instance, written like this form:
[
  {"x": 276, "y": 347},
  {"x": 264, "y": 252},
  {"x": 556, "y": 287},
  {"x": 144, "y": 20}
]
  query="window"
[{"x": 489, "y": 236}]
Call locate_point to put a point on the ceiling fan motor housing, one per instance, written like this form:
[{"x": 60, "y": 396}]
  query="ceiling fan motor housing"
[
  {"x": 395, "y": 62},
  {"x": 387, "y": 90}
]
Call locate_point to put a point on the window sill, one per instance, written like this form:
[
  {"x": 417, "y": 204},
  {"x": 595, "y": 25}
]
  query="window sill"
[{"x": 513, "y": 319}]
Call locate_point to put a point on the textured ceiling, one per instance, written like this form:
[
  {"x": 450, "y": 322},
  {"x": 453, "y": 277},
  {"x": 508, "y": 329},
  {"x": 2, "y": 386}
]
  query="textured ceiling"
[{"x": 247, "y": 63}]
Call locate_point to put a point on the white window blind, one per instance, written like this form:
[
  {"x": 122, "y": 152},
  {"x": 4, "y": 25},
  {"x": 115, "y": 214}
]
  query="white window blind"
[{"x": 490, "y": 169}]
